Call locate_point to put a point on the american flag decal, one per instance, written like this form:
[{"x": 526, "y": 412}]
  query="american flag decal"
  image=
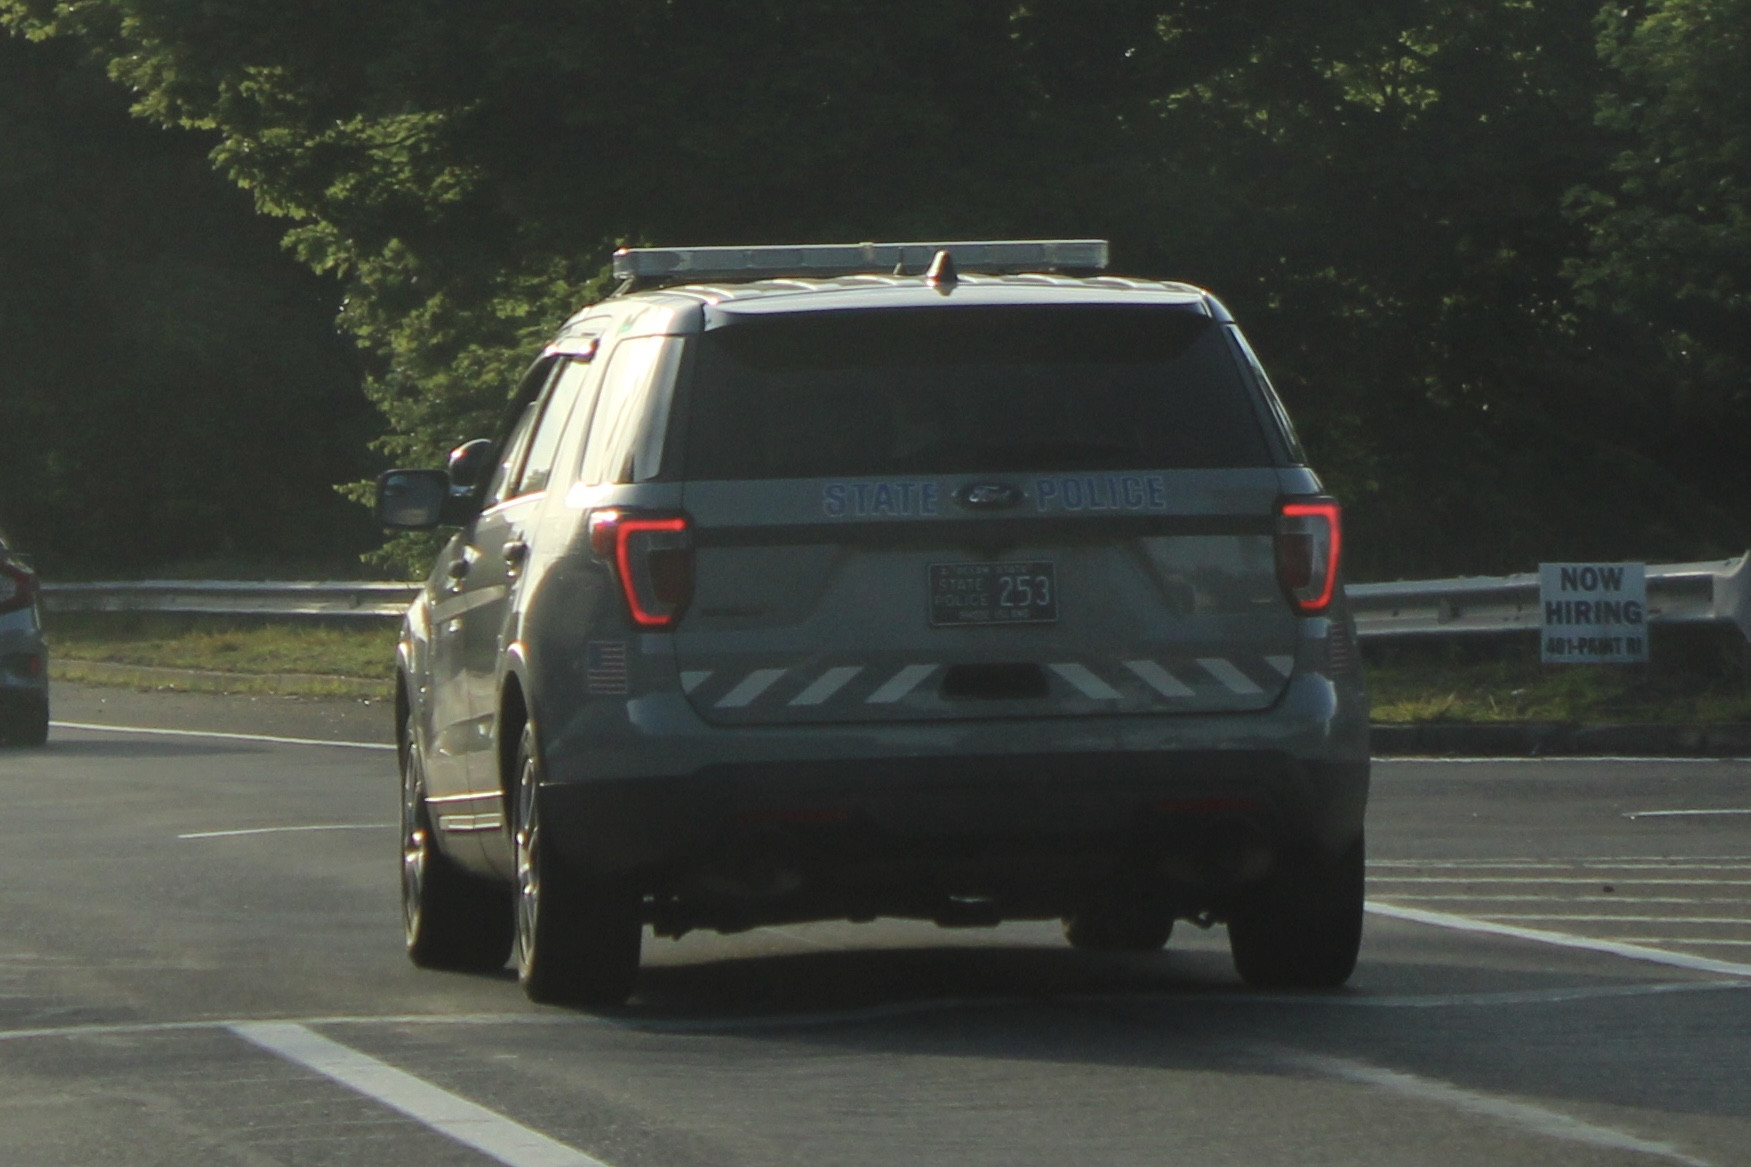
[{"x": 605, "y": 666}]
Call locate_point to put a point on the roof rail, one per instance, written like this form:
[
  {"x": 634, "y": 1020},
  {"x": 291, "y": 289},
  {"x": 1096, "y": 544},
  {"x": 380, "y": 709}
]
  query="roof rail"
[{"x": 643, "y": 266}]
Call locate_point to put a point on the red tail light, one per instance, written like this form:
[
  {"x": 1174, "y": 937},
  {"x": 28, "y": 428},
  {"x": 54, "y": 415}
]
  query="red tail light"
[
  {"x": 652, "y": 557},
  {"x": 1309, "y": 542},
  {"x": 18, "y": 587}
]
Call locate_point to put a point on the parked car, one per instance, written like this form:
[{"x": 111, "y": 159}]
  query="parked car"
[
  {"x": 948, "y": 581},
  {"x": 24, "y": 659}
]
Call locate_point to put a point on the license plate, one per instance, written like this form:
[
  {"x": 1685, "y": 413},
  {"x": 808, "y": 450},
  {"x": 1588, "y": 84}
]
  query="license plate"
[{"x": 963, "y": 594}]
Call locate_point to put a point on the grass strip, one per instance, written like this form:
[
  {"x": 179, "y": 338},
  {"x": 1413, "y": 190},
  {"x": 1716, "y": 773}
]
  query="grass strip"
[{"x": 1699, "y": 675}]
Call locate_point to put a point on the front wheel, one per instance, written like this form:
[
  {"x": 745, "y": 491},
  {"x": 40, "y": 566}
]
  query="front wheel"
[
  {"x": 1303, "y": 928},
  {"x": 578, "y": 935}
]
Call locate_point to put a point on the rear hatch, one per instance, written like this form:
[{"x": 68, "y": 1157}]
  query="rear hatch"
[{"x": 942, "y": 512}]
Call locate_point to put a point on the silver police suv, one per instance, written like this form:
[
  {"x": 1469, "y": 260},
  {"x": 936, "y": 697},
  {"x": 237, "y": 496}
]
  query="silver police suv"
[{"x": 952, "y": 581}]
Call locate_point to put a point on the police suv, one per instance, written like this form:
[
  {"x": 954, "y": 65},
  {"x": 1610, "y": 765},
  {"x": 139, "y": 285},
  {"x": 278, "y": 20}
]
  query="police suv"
[{"x": 950, "y": 581}]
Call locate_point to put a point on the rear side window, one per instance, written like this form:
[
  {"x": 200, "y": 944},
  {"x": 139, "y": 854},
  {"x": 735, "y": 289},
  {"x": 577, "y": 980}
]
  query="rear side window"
[
  {"x": 968, "y": 390},
  {"x": 631, "y": 412}
]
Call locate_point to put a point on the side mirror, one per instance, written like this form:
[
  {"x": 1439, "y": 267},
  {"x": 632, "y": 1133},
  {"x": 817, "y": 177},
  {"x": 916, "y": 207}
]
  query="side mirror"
[
  {"x": 412, "y": 500},
  {"x": 470, "y": 464}
]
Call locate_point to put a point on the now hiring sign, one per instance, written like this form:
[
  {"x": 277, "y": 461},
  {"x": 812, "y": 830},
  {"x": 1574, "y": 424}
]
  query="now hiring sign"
[{"x": 1594, "y": 613}]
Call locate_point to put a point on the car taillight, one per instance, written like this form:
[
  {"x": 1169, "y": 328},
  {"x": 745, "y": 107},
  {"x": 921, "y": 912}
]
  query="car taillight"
[
  {"x": 652, "y": 556},
  {"x": 17, "y": 587},
  {"x": 1309, "y": 542}
]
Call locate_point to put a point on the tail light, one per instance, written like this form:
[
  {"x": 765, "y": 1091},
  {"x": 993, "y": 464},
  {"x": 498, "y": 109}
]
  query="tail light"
[
  {"x": 18, "y": 587},
  {"x": 652, "y": 557},
  {"x": 1309, "y": 542}
]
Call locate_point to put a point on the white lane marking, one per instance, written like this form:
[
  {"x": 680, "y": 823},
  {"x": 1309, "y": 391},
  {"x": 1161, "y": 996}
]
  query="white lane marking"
[
  {"x": 1158, "y": 678},
  {"x": 1619, "y": 919},
  {"x": 1563, "y": 879},
  {"x": 487, "y": 1131},
  {"x": 692, "y": 680},
  {"x": 1537, "y": 1119},
  {"x": 232, "y": 737},
  {"x": 1560, "y": 939},
  {"x": 1702, "y": 862},
  {"x": 1556, "y": 760},
  {"x": 900, "y": 684},
  {"x": 827, "y": 684},
  {"x": 1599, "y": 899},
  {"x": 1672, "y": 814},
  {"x": 1086, "y": 683},
  {"x": 278, "y": 830},
  {"x": 1231, "y": 678},
  {"x": 750, "y": 688}
]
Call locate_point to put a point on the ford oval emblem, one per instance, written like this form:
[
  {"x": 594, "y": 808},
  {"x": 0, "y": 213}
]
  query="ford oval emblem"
[{"x": 989, "y": 496}]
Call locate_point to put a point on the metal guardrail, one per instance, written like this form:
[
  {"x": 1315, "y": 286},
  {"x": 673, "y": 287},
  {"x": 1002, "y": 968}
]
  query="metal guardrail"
[
  {"x": 1678, "y": 593},
  {"x": 233, "y": 597}
]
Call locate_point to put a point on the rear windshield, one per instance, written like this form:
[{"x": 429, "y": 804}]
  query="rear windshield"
[{"x": 968, "y": 390}]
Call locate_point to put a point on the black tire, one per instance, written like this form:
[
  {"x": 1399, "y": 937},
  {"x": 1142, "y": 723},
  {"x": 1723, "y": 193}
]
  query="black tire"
[
  {"x": 1119, "y": 926},
  {"x": 578, "y": 935},
  {"x": 24, "y": 722},
  {"x": 1302, "y": 929},
  {"x": 452, "y": 920}
]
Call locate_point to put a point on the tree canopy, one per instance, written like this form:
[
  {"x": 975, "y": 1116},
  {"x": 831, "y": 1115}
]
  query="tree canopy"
[
  {"x": 1494, "y": 251},
  {"x": 172, "y": 386}
]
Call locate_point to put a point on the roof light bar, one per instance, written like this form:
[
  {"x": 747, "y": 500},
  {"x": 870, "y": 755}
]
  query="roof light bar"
[{"x": 992, "y": 257}]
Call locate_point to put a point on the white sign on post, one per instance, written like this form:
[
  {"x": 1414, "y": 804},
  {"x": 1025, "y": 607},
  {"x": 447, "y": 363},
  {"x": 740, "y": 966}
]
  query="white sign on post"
[{"x": 1594, "y": 613}]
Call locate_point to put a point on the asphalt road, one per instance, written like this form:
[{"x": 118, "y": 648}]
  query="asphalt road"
[{"x": 200, "y": 964}]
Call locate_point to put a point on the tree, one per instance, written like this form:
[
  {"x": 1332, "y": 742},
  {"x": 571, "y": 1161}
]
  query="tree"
[
  {"x": 1378, "y": 189},
  {"x": 173, "y": 387}
]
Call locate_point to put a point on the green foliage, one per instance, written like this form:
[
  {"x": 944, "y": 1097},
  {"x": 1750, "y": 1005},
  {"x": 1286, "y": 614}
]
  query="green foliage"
[
  {"x": 1378, "y": 190},
  {"x": 173, "y": 386}
]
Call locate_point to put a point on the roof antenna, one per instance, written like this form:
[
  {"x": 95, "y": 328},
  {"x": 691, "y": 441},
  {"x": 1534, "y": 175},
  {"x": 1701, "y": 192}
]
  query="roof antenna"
[{"x": 942, "y": 275}]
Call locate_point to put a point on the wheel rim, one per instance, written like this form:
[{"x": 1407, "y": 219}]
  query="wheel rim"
[
  {"x": 415, "y": 838},
  {"x": 528, "y": 841}
]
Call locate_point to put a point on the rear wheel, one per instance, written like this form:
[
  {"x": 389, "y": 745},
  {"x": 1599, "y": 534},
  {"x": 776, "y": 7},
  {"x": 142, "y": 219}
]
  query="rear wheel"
[
  {"x": 1119, "y": 926},
  {"x": 451, "y": 919},
  {"x": 578, "y": 935},
  {"x": 1303, "y": 928}
]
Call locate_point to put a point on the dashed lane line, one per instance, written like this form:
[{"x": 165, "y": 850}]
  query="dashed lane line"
[
  {"x": 281, "y": 830},
  {"x": 269, "y": 739},
  {"x": 487, "y": 1131}
]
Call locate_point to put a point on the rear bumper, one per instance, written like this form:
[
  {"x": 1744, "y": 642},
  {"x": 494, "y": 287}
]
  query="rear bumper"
[{"x": 1019, "y": 819}]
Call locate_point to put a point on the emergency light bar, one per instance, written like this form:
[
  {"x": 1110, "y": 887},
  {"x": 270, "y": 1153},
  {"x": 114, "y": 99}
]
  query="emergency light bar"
[{"x": 993, "y": 257}]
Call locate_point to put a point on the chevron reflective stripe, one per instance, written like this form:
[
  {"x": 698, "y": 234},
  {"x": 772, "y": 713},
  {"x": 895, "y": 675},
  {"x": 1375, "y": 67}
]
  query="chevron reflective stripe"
[
  {"x": 1231, "y": 678},
  {"x": 1086, "y": 683},
  {"x": 1158, "y": 678},
  {"x": 1283, "y": 664},
  {"x": 691, "y": 681},
  {"x": 900, "y": 684},
  {"x": 825, "y": 685},
  {"x": 752, "y": 685}
]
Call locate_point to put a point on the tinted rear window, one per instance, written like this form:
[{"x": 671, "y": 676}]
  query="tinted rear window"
[{"x": 968, "y": 390}]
